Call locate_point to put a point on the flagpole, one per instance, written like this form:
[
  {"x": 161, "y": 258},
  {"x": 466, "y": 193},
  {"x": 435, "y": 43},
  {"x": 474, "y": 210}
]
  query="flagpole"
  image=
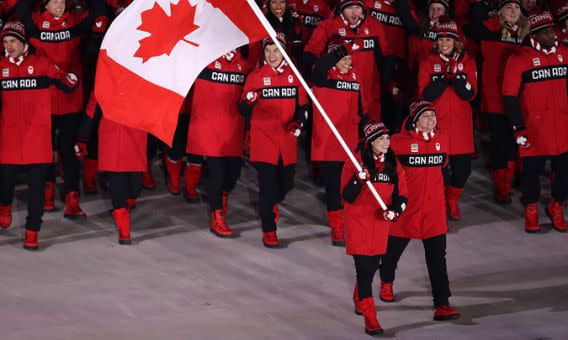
[{"x": 272, "y": 34}]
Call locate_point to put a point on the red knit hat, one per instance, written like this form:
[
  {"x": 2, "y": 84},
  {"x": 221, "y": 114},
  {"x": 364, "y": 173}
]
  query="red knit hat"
[
  {"x": 504, "y": 3},
  {"x": 541, "y": 21},
  {"x": 268, "y": 40},
  {"x": 562, "y": 12},
  {"x": 373, "y": 130},
  {"x": 346, "y": 3},
  {"x": 417, "y": 108},
  {"x": 15, "y": 29},
  {"x": 447, "y": 28}
]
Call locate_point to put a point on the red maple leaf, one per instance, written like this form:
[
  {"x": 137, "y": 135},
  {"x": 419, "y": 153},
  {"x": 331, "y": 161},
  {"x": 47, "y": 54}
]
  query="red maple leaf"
[{"x": 165, "y": 31}]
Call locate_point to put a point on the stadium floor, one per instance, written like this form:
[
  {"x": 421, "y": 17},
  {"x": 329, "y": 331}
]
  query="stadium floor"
[{"x": 178, "y": 281}]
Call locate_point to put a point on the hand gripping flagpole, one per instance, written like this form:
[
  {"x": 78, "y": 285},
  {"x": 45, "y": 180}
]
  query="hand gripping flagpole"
[{"x": 272, "y": 34}]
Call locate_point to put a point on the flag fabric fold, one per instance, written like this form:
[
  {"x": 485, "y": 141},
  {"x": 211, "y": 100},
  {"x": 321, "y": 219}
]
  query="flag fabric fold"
[{"x": 154, "y": 51}]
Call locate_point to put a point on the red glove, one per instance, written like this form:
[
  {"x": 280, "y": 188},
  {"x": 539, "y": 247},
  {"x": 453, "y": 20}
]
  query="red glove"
[
  {"x": 521, "y": 137},
  {"x": 251, "y": 97},
  {"x": 294, "y": 127},
  {"x": 363, "y": 175},
  {"x": 394, "y": 91},
  {"x": 246, "y": 142},
  {"x": 390, "y": 215},
  {"x": 81, "y": 150}
]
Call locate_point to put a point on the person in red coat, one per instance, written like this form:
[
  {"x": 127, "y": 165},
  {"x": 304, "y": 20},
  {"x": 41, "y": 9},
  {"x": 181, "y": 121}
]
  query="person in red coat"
[
  {"x": 423, "y": 151},
  {"x": 311, "y": 12},
  {"x": 366, "y": 224},
  {"x": 25, "y": 125},
  {"x": 501, "y": 36},
  {"x": 534, "y": 90},
  {"x": 288, "y": 22},
  {"x": 216, "y": 131},
  {"x": 122, "y": 155},
  {"x": 277, "y": 105},
  {"x": 350, "y": 25},
  {"x": 58, "y": 33},
  {"x": 448, "y": 78},
  {"x": 338, "y": 89},
  {"x": 561, "y": 14}
]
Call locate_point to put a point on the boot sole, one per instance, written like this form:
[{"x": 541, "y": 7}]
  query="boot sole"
[
  {"x": 49, "y": 210},
  {"x": 358, "y": 313},
  {"x": 374, "y": 333},
  {"x": 125, "y": 242},
  {"x": 338, "y": 243},
  {"x": 75, "y": 217},
  {"x": 31, "y": 248},
  {"x": 532, "y": 231},
  {"x": 272, "y": 246},
  {"x": 446, "y": 318},
  {"x": 553, "y": 226},
  {"x": 221, "y": 235},
  {"x": 383, "y": 300}
]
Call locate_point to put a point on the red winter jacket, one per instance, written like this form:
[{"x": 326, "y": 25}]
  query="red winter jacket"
[
  {"x": 60, "y": 41},
  {"x": 281, "y": 99},
  {"x": 25, "y": 120},
  {"x": 387, "y": 15},
  {"x": 535, "y": 89},
  {"x": 341, "y": 98},
  {"x": 370, "y": 38},
  {"x": 495, "y": 52},
  {"x": 121, "y": 148},
  {"x": 453, "y": 110},
  {"x": 217, "y": 128},
  {"x": 118, "y": 6},
  {"x": 311, "y": 12},
  {"x": 366, "y": 230},
  {"x": 422, "y": 160}
]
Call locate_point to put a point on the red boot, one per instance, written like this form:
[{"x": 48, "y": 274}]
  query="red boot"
[
  {"x": 122, "y": 220},
  {"x": 90, "y": 167},
  {"x": 372, "y": 325},
  {"x": 131, "y": 203},
  {"x": 5, "y": 216},
  {"x": 174, "y": 171},
  {"x": 219, "y": 225},
  {"x": 452, "y": 197},
  {"x": 31, "y": 240},
  {"x": 276, "y": 213},
  {"x": 335, "y": 219},
  {"x": 191, "y": 176},
  {"x": 554, "y": 211},
  {"x": 148, "y": 181},
  {"x": 72, "y": 208},
  {"x": 531, "y": 218},
  {"x": 226, "y": 202},
  {"x": 442, "y": 313},
  {"x": 356, "y": 301},
  {"x": 49, "y": 200},
  {"x": 270, "y": 240},
  {"x": 501, "y": 186},
  {"x": 386, "y": 292}
]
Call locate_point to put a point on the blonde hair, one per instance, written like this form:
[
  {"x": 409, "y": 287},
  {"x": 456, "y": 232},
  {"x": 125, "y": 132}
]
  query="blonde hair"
[
  {"x": 522, "y": 31},
  {"x": 458, "y": 46}
]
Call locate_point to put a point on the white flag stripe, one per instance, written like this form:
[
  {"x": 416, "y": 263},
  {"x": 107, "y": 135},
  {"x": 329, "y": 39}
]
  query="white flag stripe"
[{"x": 173, "y": 72}]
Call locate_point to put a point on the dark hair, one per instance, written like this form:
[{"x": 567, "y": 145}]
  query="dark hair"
[{"x": 367, "y": 155}]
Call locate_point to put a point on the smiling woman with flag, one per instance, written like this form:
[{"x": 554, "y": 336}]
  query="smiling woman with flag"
[{"x": 277, "y": 106}]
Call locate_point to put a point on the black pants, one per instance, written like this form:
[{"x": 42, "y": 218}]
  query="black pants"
[
  {"x": 122, "y": 186},
  {"x": 458, "y": 170},
  {"x": 93, "y": 143},
  {"x": 153, "y": 145},
  {"x": 64, "y": 130},
  {"x": 530, "y": 181},
  {"x": 177, "y": 151},
  {"x": 435, "y": 252},
  {"x": 36, "y": 175},
  {"x": 365, "y": 269},
  {"x": 331, "y": 176},
  {"x": 223, "y": 175},
  {"x": 503, "y": 146},
  {"x": 275, "y": 181}
]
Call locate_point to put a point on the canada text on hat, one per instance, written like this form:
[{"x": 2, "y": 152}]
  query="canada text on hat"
[
  {"x": 418, "y": 107},
  {"x": 562, "y": 12},
  {"x": 504, "y": 3},
  {"x": 15, "y": 29},
  {"x": 541, "y": 21},
  {"x": 447, "y": 29},
  {"x": 374, "y": 130},
  {"x": 281, "y": 39}
]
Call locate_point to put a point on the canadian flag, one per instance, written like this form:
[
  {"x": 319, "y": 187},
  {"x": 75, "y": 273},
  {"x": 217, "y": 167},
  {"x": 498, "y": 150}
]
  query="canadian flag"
[{"x": 154, "y": 51}]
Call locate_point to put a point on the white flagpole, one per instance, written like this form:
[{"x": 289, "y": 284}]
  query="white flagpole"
[{"x": 272, "y": 34}]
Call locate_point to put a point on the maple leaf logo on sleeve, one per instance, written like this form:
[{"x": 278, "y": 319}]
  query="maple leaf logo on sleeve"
[{"x": 165, "y": 31}]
